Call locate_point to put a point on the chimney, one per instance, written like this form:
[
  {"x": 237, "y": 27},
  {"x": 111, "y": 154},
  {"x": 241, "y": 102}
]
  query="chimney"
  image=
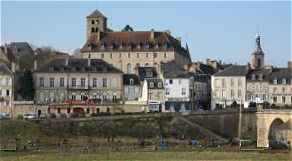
[
  {"x": 290, "y": 64},
  {"x": 168, "y": 32},
  {"x": 152, "y": 34},
  {"x": 67, "y": 61},
  {"x": 35, "y": 64}
]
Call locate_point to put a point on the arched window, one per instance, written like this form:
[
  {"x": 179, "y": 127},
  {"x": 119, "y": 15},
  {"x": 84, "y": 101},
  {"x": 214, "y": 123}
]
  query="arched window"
[
  {"x": 129, "y": 68},
  {"x": 259, "y": 62},
  {"x": 131, "y": 81}
]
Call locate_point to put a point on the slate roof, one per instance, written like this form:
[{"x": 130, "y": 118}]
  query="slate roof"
[
  {"x": 21, "y": 48},
  {"x": 234, "y": 70},
  {"x": 128, "y": 77},
  {"x": 4, "y": 70},
  {"x": 147, "y": 72},
  {"x": 259, "y": 75},
  {"x": 76, "y": 65},
  {"x": 96, "y": 13},
  {"x": 280, "y": 74}
]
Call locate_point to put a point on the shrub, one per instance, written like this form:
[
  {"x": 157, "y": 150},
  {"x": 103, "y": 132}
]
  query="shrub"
[{"x": 19, "y": 117}]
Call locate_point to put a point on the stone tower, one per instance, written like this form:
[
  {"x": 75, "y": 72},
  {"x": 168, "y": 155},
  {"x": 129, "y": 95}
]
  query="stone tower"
[
  {"x": 257, "y": 57},
  {"x": 96, "y": 24}
]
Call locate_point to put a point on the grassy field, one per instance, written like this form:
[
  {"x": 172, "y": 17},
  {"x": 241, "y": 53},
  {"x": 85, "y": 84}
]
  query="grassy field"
[{"x": 148, "y": 156}]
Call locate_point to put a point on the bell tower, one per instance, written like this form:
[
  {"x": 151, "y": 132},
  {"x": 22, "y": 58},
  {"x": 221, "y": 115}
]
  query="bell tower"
[
  {"x": 257, "y": 57},
  {"x": 96, "y": 23}
]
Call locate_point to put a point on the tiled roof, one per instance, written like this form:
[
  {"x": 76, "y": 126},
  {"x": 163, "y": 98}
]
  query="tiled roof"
[
  {"x": 128, "y": 77},
  {"x": 95, "y": 13},
  {"x": 134, "y": 41},
  {"x": 172, "y": 70},
  {"x": 4, "y": 70},
  {"x": 234, "y": 70},
  {"x": 78, "y": 66},
  {"x": 21, "y": 48}
]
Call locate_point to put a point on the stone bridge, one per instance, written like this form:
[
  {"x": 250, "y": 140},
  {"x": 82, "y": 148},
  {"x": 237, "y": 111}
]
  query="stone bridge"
[{"x": 273, "y": 125}]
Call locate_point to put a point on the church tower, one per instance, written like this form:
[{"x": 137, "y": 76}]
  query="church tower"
[
  {"x": 257, "y": 57},
  {"x": 96, "y": 24}
]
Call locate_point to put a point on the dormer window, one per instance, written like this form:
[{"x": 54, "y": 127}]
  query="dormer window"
[
  {"x": 284, "y": 81},
  {"x": 151, "y": 84},
  {"x": 159, "y": 84},
  {"x": 260, "y": 77},
  {"x": 120, "y": 46},
  {"x": 138, "y": 46},
  {"x": 131, "y": 81},
  {"x": 253, "y": 77},
  {"x": 146, "y": 46},
  {"x": 156, "y": 46},
  {"x": 102, "y": 46},
  {"x": 275, "y": 81}
]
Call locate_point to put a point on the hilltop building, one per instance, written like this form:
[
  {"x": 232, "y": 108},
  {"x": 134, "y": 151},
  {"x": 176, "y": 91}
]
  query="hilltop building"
[{"x": 127, "y": 50}]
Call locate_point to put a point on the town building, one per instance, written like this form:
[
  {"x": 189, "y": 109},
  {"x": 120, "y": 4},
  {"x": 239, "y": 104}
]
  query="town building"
[
  {"x": 253, "y": 84},
  {"x": 6, "y": 86},
  {"x": 132, "y": 87},
  {"x": 87, "y": 82},
  {"x": 228, "y": 86},
  {"x": 128, "y": 50}
]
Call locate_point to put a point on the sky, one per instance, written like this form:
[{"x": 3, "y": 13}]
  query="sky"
[{"x": 222, "y": 30}]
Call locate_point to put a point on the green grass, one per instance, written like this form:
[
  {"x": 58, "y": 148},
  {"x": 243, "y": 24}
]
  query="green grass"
[{"x": 148, "y": 156}]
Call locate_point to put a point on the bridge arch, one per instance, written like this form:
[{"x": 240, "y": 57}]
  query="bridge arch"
[
  {"x": 277, "y": 130},
  {"x": 273, "y": 125}
]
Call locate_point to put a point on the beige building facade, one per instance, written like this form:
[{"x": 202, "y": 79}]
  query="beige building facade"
[{"x": 78, "y": 80}]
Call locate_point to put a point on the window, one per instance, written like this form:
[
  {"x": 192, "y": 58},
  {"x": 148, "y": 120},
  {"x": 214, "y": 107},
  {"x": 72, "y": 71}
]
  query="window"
[
  {"x": 283, "y": 90},
  {"x": 92, "y": 29},
  {"x": 138, "y": 56},
  {"x": 283, "y": 99},
  {"x": 151, "y": 84},
  {"x": 87, "y": 110},
  {"x": 179, "y": 81},
  {"x": 239, "y": 93},
  {"x": 68, "y": 110},
  {"x": 41, "y": 82},
  {"x": 82, "y": 82},
  {"x": 283, "y": 81},
  {"x": 104, "y": 82},
  {"x": 159, "y": 84},
  {"x": 7, "y": 92},
  {"x": 131, "y": 81},
  {"x": 147, "y": 55},
  {"x": 120, "y": 55},
  {"x": 92, "y": 21},
  {"x": 274, "y": 89},
  {"x": 239, "y": 82},
  {"x": 94, "y": 82},
  {"x": 231, "y": 82},
  {"x": 166, "y": 91},
  {"x": 183, "y": 91},
  {"x": 253, "y": 77},
  {"x": 165, "y": 55},
  {"x": 232, "y": 93},
  {"x": 52, "y": 82},
  {"x": 223, "y": 82},
  {"x": 154, "y": 55},
  {"x": 111, "y": 55},
  {"x": 129, "y": 55},
  {"x": 73, "y": 82},
  {"x": 129, "y": 68},
  {"x": 170, "y": 81},
  {"x": 61, "y": 82},
  {"x": 146, "y": 64},
  {"x": 73, "y": 97},
  {"x": 59, "y": 110},
  {"x": 275, "y": 99},
  {"x": 275, "y": 81},
  {"x": 102, "y": 55}
]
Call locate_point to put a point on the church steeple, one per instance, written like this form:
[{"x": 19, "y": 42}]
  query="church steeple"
[{"x": 257, "y": 57}]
